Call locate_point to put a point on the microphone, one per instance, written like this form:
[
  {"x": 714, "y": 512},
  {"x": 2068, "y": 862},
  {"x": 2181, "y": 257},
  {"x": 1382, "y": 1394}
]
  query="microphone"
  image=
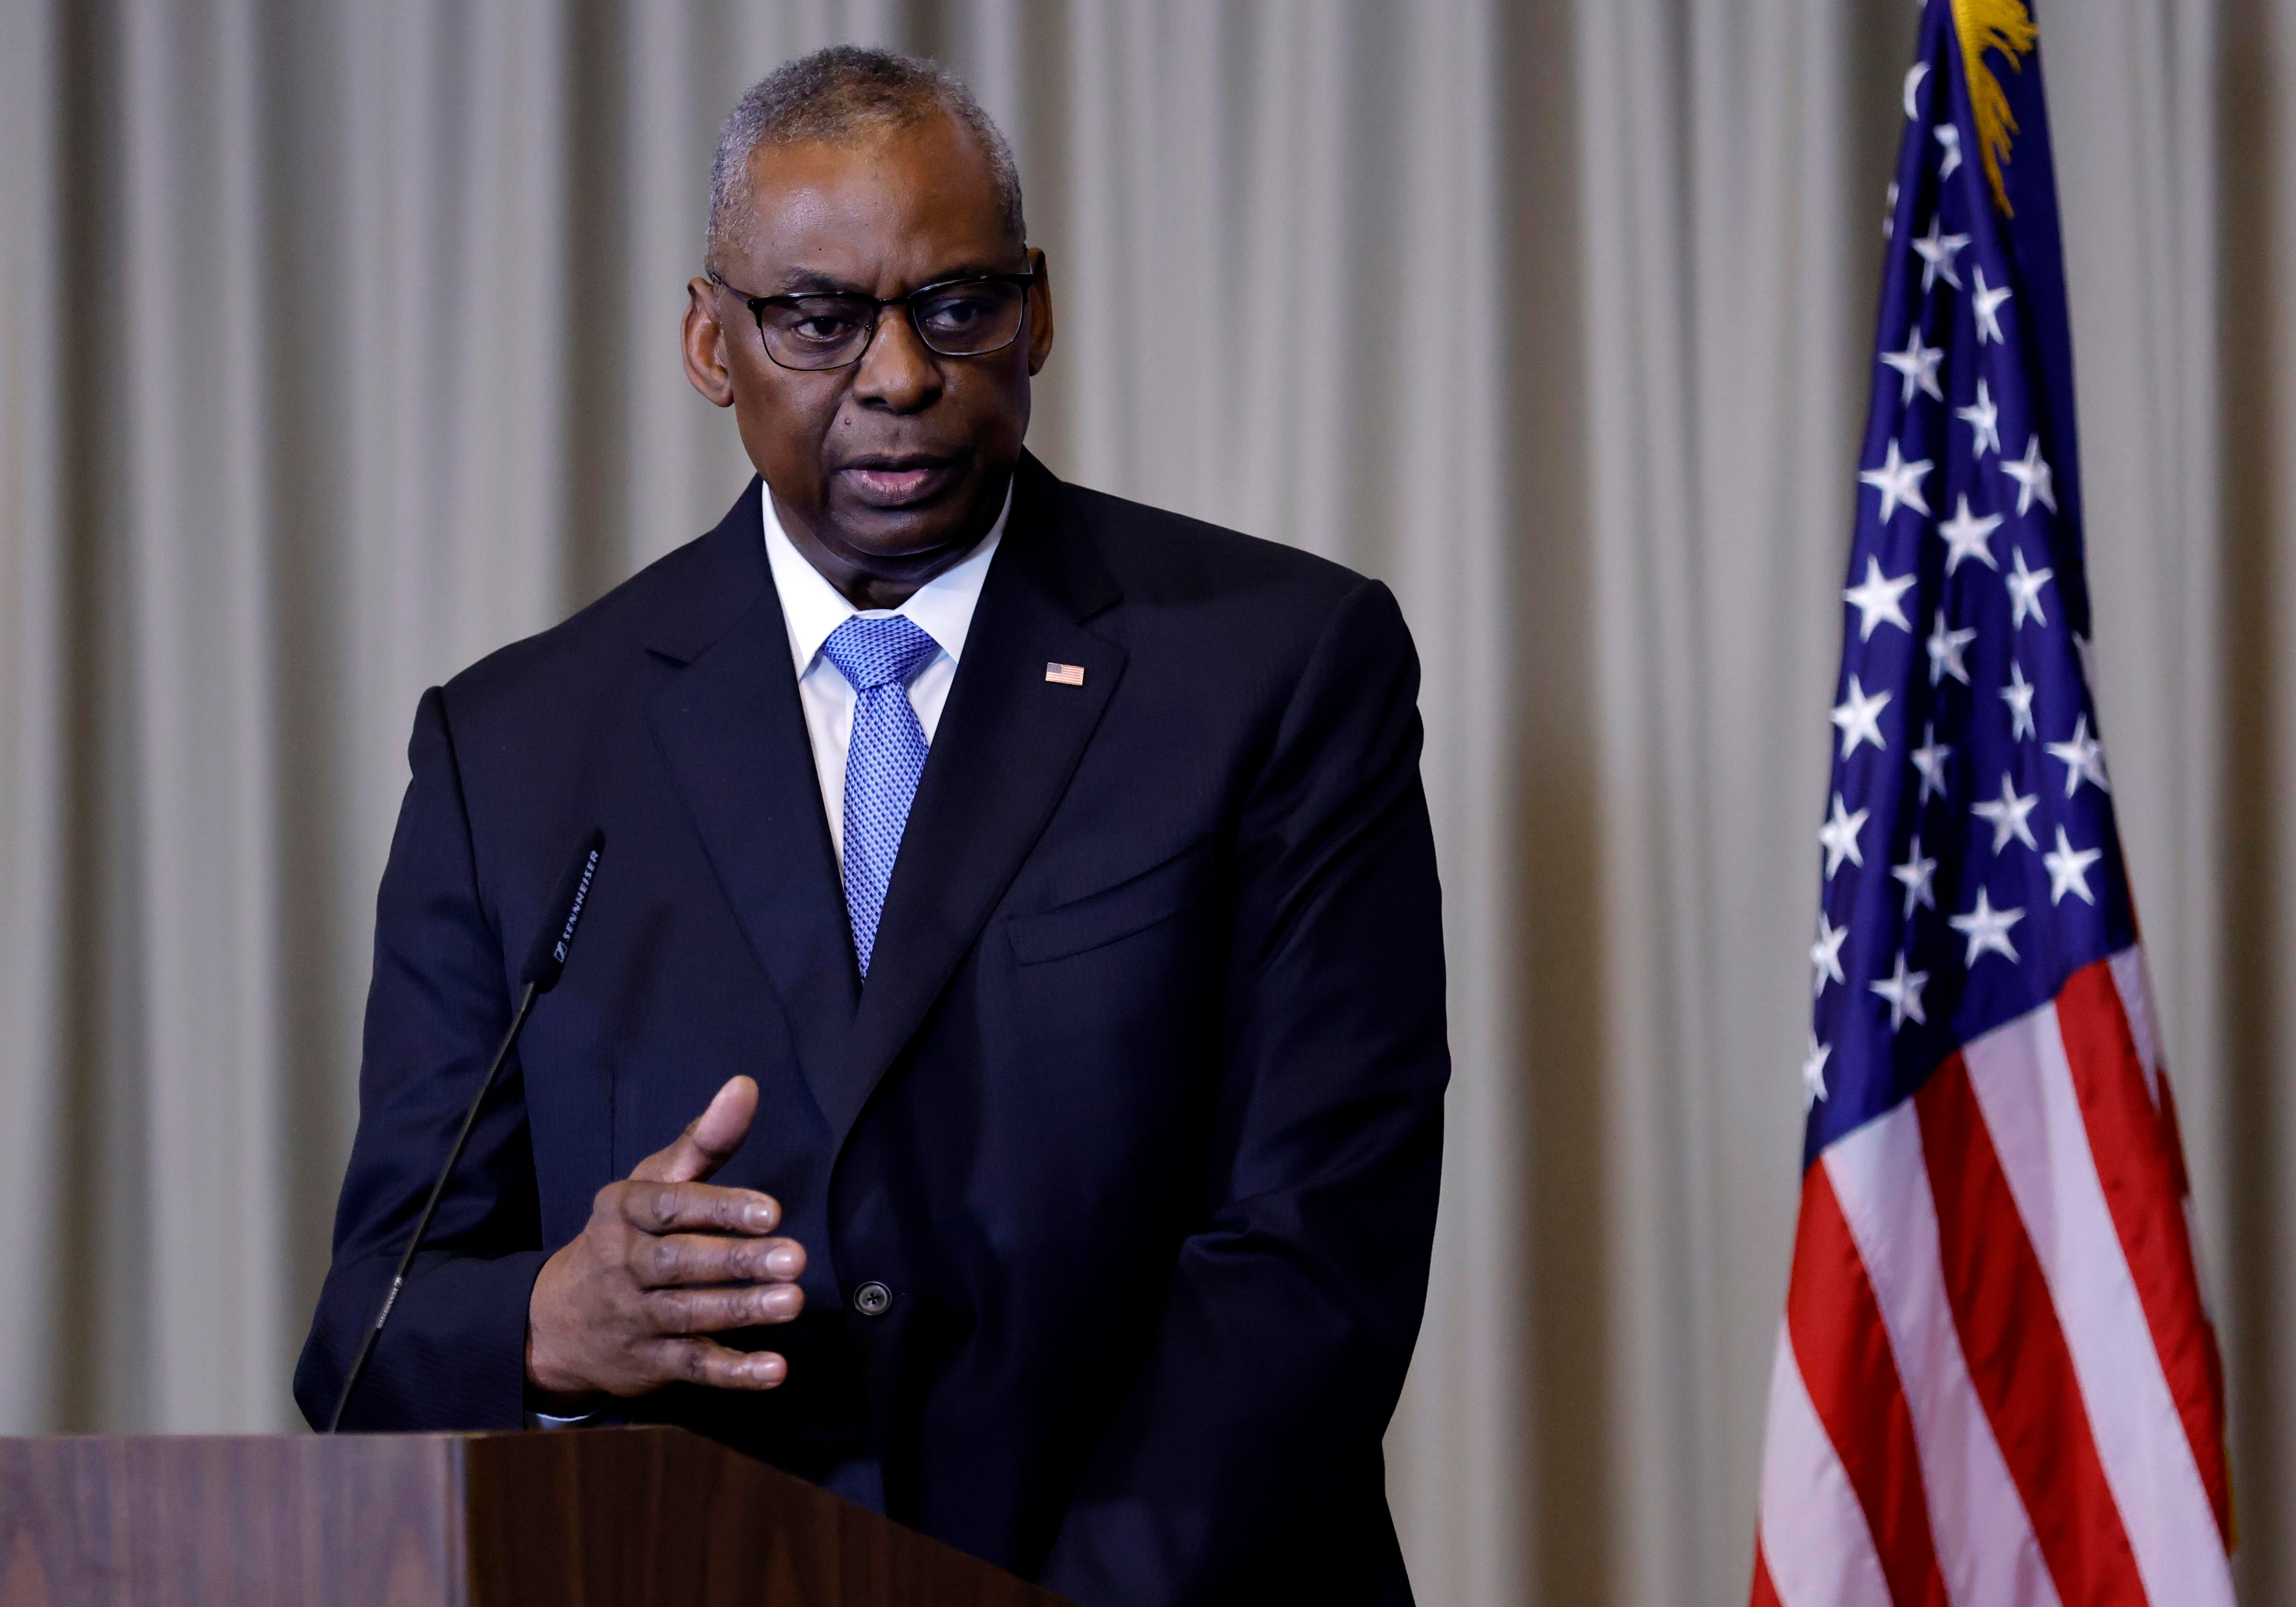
[{"x": 545, "y": 963}]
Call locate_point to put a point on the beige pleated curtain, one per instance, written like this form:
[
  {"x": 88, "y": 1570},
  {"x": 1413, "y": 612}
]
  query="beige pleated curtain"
[{"x": 337, "y": 348}]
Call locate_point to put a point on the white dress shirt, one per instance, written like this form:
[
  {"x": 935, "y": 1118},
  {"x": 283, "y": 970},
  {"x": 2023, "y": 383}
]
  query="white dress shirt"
[{"x": 812, "y": 608}]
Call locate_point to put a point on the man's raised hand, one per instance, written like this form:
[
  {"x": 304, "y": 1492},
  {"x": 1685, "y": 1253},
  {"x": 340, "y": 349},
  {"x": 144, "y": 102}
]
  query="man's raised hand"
[{"x": 665, "y": 1259}]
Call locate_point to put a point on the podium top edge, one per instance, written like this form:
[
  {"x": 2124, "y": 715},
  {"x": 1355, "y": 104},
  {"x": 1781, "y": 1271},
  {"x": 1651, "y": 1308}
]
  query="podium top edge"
[{"x": 442, "y": 1436}]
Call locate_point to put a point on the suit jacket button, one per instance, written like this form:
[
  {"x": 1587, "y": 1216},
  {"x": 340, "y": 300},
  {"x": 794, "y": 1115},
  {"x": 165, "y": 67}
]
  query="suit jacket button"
[{"x": 873, "y": 1299}]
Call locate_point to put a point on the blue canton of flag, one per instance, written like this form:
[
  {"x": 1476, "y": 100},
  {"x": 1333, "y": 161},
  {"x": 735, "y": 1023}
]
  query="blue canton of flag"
[{"x": 1970, "y": 856}]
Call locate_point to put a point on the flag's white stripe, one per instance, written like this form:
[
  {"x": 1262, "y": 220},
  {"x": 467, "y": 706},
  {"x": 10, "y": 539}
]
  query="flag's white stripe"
[
  {"x": 1984, "y": 1538},
  {"x": 2135, "y": 985},
  {"x": 2024, "y": 1086},
  {"x": 1814, "y": 1534}
]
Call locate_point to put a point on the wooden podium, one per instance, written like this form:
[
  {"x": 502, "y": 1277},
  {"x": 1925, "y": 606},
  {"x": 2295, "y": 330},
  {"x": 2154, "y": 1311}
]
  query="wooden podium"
[{"x": 641, "y": 1517}]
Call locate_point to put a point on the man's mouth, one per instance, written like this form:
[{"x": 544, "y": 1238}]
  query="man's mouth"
[{"x": 887, "y": 481}]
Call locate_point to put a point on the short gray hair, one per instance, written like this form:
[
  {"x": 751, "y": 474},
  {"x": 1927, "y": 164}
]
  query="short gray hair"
[{"x": 837, "y": 94}]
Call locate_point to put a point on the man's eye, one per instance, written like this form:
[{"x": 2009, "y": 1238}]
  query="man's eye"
[
  {"x": 817, "y": 324},
  {"x": 952, "y": 315},
  {"x": 821, "y": 328}
]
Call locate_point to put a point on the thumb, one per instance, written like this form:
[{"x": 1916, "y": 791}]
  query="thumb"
[{"x": 708, "y": 1143}]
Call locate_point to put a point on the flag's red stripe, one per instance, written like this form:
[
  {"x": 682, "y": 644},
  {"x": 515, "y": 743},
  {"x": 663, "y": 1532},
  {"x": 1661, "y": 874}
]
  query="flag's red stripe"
[
  {"x": 1764, "y": 1594},
  {"x": 2016, "y": 1352},
  {"x": 2138, "y": 1159},
  {"x": 1843, "y": 1352},
  {"x": 2175, "y": 1140}
]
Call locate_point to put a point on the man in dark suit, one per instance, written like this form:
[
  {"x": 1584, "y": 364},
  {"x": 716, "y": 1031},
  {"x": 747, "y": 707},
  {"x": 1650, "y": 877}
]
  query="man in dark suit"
[{"x": 1033, "y": 893}]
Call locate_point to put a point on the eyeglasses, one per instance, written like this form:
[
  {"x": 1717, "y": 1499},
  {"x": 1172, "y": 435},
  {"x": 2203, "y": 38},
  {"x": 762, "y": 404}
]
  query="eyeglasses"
[{"x": 955, "y": 318}]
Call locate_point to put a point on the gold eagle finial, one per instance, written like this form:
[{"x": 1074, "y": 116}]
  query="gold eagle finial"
[{"x": 2007, "y": 26}]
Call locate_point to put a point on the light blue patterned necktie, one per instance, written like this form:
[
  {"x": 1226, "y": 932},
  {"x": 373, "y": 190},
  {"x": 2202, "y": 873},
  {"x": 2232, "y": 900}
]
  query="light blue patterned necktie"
[{"x": 883, "y": 762}]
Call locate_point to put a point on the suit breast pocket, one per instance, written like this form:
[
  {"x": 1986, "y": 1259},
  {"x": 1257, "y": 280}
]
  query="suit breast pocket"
[
  {"x": 1106, "y": 1017},
  {"x": 1114, "y": 913}
]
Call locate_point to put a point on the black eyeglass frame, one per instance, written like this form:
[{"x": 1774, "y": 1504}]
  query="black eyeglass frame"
[{"x": 1026, "y": 279}]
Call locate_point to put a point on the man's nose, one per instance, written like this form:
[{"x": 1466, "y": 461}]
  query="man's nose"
[{"x": 897, "y": 371}]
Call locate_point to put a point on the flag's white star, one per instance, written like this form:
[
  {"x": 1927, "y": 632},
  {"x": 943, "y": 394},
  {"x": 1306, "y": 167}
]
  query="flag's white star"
[
  {"x": 2025, "y": 589},
  {"x": 1898, "y": 481},
  {"x": 1917, "y": 363},
  {"x": 1966, "y": 535},
  {"x": 1903, "y": 989},
  {"x": 2068, "y": 870},
  {"x": 1988, "y": 305},
  {"x": 1986, "y": 930},
  {"x": 2019, "y": 695},
  {"x": 2083, "y": 757},
  {"x": 1945, "y": 648},
  {"x": 1813, "y": 1072},
  {"x": 1825, "y": 955},
  {"x": 1839, "y": 838},
  {"x": 1914, "y": 77},
  {"x": 1859, "y": 717},
  {"x": 1949, "y": 136},
  {"x": 1890, "y": 213},
  {"x": 1930, "y": 759},
  {"x": 2034, "y": 477},
  {"x": 1984, "y": 417},
  {"x": 1936, "y": 252},
  {"x": 1919, "y": 875},
  {"x": 2006, "y": 815},
  {"x": 1877, "y": 601}
]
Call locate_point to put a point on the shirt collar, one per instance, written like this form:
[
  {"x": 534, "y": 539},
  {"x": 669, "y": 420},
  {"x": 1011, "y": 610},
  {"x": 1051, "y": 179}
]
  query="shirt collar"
[{"x": 812, "y": 608}]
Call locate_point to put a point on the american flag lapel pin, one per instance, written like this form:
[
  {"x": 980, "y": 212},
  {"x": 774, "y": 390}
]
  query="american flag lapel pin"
[{"x": 1065, "y": 675}]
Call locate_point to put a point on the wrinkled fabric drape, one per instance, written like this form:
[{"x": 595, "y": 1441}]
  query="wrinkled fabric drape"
[{"x": 338, "y": 347}]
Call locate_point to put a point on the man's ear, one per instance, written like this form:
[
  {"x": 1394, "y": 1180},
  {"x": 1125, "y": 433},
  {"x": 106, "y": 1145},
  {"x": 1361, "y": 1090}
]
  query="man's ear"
[
  {"x": 707, "y": 368},
  {"x": 1040, "y": 315}
]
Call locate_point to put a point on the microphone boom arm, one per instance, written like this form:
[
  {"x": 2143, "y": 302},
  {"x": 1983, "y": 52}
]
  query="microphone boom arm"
[
  {"x": 545, "y": 963},
  {"x": 422, "y": 1223}
]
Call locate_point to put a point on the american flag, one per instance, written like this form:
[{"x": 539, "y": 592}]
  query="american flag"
[{"x": 1996, "y": 1381}]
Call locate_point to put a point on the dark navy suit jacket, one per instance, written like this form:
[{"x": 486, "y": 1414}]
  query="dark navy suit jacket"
[{"x": 1138, "y": 1116}]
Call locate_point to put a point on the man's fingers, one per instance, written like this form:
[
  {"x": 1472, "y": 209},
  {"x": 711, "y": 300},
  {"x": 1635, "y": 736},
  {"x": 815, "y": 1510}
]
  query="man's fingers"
[
  {"x": 700, "y": 1259},
  {"x": 710, "y": 1141},
  {"x": 674, "y": 1207},
  {"x": 684, "y": 1311},
  {"x": 705, "y": 1362}
]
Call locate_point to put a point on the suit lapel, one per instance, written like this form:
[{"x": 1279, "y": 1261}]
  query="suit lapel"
[
  {"x": 734, "y": 735},
  {"x": 1008, "y": 742}
]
